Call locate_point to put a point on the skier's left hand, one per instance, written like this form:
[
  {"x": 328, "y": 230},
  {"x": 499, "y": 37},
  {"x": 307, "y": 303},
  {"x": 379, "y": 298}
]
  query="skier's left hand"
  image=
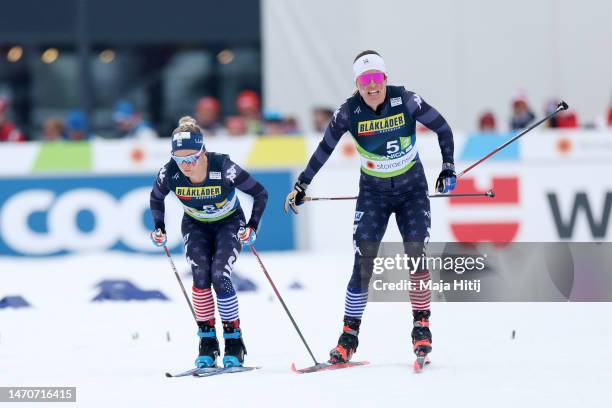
[
  {"x": 247, "y": 235},
  {"x": 447, "y": 180},
  {"x": 158, "y": 237}
]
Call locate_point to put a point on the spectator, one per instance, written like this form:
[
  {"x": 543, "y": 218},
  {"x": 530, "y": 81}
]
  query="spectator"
[
  {"x": 522, "y": 115},
  {"x": 321, "y": 118},
  {"x": 207, "y": 115},
  {"x": 549, "y": 108},
  {"x": 76, "y": 125},
  {"x": 130, "y": 124},
  {"x": 487, "y": 123},
  {"x": 567, "y": 120},
  {"x": 235, "y": 126},
  {"x": 53, "y": 130},
  {"x": 564, "y": 119},
  {"x": 291, "y": 126},
  {"x": 610, "y": 115},
  {"x": 249, "y": 109},
  {"x": 273, "y": 123},
  {"x": 8, "y": 130}
]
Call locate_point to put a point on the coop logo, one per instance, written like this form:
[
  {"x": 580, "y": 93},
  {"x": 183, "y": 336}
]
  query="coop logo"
[{"x": 49, "y": 220}]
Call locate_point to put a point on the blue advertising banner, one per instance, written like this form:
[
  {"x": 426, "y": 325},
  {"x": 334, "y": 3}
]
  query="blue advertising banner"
[{"x": 56, "y": 215}]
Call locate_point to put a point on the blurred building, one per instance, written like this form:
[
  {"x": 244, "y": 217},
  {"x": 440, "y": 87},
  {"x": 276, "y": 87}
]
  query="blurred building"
[{"x": 162, "y": 56}]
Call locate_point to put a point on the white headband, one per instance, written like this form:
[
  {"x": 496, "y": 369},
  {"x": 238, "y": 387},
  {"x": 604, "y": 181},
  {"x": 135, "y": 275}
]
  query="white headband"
[{"x": 368, "y": 62}]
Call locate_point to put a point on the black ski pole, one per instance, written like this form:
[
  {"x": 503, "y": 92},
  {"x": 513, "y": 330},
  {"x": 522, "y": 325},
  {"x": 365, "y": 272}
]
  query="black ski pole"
[
  {"x": 490, "y": 194},
  {"x": 178, "y": 278},
  {"x": 560, "y": 107},
  {"x": 278, "y": 295}
]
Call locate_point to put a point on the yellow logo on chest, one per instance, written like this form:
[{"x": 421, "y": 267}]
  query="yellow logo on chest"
[
  {"x": 187, "y": 193},
  {"x": 371, "y": 127}
]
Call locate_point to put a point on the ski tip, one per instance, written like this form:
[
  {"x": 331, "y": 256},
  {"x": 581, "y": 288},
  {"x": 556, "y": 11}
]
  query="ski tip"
[
  {"x": 168, "y": 375},
  {"x": 327, "y": 366},
  {"x": 299, "y": 370},
  {"x": 419, "y": 363}
]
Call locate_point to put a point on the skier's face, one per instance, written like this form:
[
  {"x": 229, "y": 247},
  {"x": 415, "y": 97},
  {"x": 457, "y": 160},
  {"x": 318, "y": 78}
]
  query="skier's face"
[
  {"x": 187, "y": 160},
  {"x": 372, "y": 86}
]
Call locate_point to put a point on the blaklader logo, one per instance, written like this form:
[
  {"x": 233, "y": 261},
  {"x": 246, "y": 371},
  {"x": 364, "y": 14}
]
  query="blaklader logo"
[
  {"x": 187, "y": 193},
  {"x": 371, "y": 127}
]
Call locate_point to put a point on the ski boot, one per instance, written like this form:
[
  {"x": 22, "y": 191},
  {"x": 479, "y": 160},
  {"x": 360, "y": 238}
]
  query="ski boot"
[
  {"x": 209, "y": 345},
  {"x": 234, "y": 346},
  {"x": 347, "y": 343},
  {"x": 421, "y": 338}
]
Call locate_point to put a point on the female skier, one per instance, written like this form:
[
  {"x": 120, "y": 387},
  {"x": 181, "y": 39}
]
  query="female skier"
[
  {"x": 213, "y": 229},
  {"x": 382, "y": 121}
]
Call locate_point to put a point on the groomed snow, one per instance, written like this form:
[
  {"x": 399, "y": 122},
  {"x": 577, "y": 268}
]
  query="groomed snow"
[{"x": 116, "y": 353}]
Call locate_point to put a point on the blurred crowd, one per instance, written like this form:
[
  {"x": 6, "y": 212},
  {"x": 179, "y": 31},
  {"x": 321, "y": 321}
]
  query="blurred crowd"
[
  {"x": 128, "y": 122},
  {"x": 250, "y": 119},
  {"x": 523, "y": 115}
]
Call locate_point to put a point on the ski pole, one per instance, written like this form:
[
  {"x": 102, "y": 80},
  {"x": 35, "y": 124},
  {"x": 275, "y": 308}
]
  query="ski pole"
[
  {"x": 278, "y": 295},
  {"x": 489, "y": 194},
  {"x": 178, "y": 278},
  {"x": 560, "y": 107}
]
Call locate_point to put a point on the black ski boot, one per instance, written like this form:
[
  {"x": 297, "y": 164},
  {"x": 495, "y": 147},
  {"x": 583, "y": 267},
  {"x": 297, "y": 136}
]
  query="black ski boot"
[
  {"x": 209, "y": 345},
  {"x": 347, "y": 343},
  {"x": 421, "y": 336},
  {"x": 234, "y": 346}
]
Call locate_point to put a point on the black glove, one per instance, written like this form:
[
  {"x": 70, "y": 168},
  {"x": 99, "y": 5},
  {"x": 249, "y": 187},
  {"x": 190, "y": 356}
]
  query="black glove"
[
  {"x": 447, "y": 180},
  {"x": 296, "y": 197}
]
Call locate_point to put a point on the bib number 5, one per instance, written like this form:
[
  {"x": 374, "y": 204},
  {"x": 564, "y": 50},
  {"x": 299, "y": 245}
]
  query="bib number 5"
[{"x": 393, "y": 146}]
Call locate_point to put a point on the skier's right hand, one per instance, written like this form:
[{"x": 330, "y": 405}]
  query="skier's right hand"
[
  {"x": 296, "y": 197},
  {"x": 159, "y": 237}
]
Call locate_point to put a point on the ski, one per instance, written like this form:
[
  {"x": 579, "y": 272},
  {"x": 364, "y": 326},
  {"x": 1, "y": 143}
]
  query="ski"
[
  {"x": 189, "y": 372},
  {"x": 227, "y": 370},
  {"x": 327, "y": 366},
  {"x": 419, "y": 363},
  {"x": 209, "y": 371}
]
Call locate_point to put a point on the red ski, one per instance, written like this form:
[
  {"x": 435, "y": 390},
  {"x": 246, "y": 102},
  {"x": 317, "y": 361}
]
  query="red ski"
[
  {"x": 419, "y": 363},
  {"x": 327, "y": 366}
]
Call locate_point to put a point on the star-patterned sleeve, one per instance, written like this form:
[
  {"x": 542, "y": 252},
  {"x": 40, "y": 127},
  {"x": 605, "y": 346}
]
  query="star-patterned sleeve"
[
  {"x": 156, "y": 200},
  {"x": 430, "y": 117},
  {"x": 338, "y": 126},
  {"x": 243, "y": 181}
]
